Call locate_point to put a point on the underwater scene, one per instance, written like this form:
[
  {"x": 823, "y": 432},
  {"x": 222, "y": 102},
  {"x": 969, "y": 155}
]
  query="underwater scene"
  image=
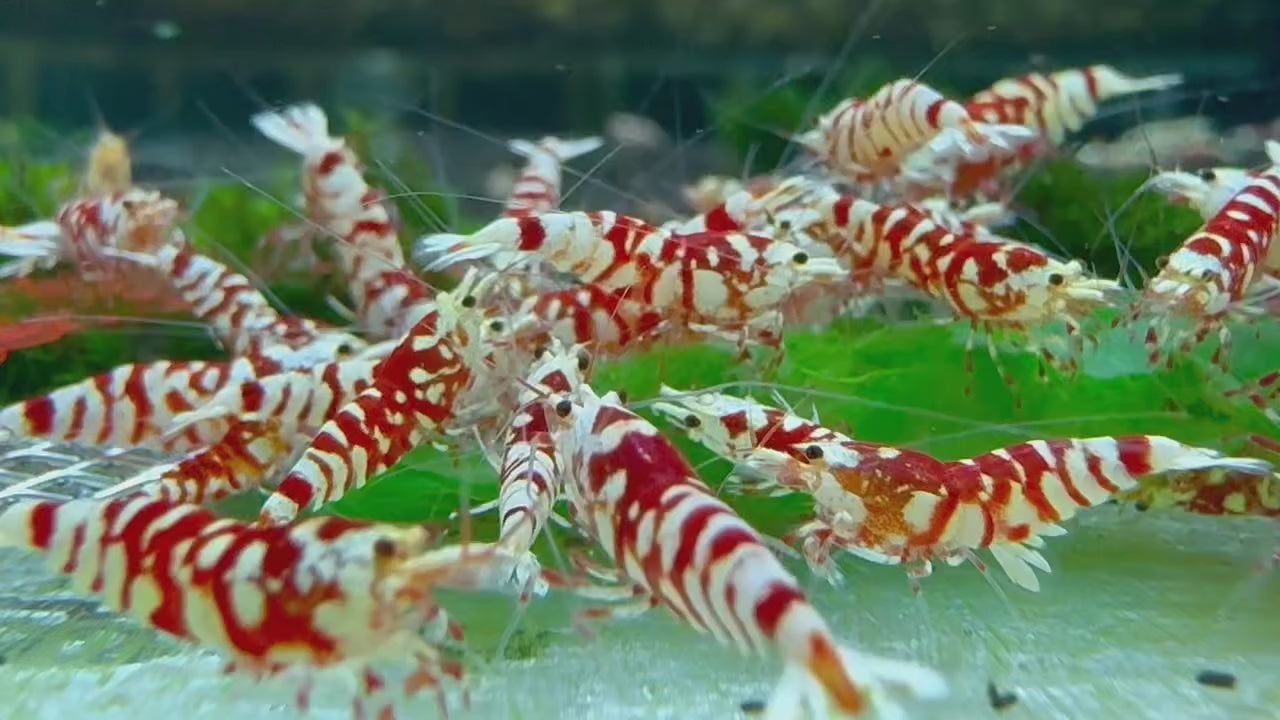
[{"x": 525, "y": 359}]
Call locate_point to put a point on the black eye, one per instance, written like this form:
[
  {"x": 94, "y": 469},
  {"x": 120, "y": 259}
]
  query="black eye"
[
  {"x": 584, "y": 361},
  {"x": 469, "y": 301},
  {"x": 1162, "y": 261},
  {"x": 1056, "y": 279},
  {"x": 622, "y": 397},
  {"x": 813, "y": 452},
  {"x": 345, "y": 349},
  {"x": 497, "y": 326},
  {"x": 384, "y": 548},
  {"x": 564, "y": 408},
  {"x": 1206, "y": 274},
  {"x": 1208, "y": 175},
  {"x": 692, "y": 421},
  {"x": 800, "y": 258},
  {"x": 540, "y": 352}
]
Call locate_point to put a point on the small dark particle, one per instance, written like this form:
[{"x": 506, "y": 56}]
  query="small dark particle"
[
  {"x": 1216, "y": 678},
  {"x": 752, "y": 707},
  {"x": 1000, "y": 700},
  {"x": 1141, "y": 506}
]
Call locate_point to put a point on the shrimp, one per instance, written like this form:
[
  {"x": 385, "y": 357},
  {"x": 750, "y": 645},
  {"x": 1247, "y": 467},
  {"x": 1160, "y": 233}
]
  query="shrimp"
[
  {"x": 677, "y": 545},
  {"x": 128, "y": 406},
  {"x": 242, "y": 318},
  {"x": 139, "y": 221},
  {"x": 389, "y": 298},
  {"x": 988, "y": 280},
  {"x": 418, "y": 389},
  {"x": 897, "y": 506},
  {"x": 324, "y": 592},
  {"x": 537, "y": 189},
  {"x": 868, "y": 140},
  {"x": 1209, "y": 276},
  {"x": 1062, "y": 101}
]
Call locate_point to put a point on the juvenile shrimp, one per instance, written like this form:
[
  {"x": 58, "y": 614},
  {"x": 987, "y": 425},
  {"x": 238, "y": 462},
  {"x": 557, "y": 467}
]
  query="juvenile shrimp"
[
  {"x": 324, "y": 592},
  {"x": 677, "y": 545}
]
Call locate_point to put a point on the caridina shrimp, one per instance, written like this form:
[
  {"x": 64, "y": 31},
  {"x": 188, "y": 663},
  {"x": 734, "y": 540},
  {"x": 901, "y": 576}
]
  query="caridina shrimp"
[
  {"x": 324, "y": 592},
  {"x": 677, "y": 545}
]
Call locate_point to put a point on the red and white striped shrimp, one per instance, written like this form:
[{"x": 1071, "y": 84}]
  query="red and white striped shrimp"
[
  {"x": 530, "y": 469},
  {"x": 417, "y": 389},
  {"x": 537, "y": 188},
  {"x": 676, "y": 544},
  {"x": 242, "y": 318},
  {"x": 706, "y": 281},
  {"x": 605, "y": 322},
  {"x": 893, "y": 505},
  {"x": 140, "y": 221},
  {"x": 1062, "y": 101},
  {"x": 325, "y": 592},
  {"x": 1209, "y": 190},
  {"x": 869, "y": 139},
  {"x": 985, "y": 279},
  {"x": 301, "y": 400},
  {"x": 897, "y": 506},
  {"x": 129, "y": 406},
  {"x": 1210, "y": 275},
  {"x": 588, "y": 245},
  {"x": 338, "y": 198},
  {"x": 244, "y": 458}
]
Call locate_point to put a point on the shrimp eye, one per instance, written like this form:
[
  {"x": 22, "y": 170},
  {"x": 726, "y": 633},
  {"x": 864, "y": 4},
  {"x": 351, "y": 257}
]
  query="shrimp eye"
[
  {"x": 692, "y": 421},
  {"x": 345, "y": 349},
  {"x": 540, "y": 352},
  {"x": 469, "y": 301},
  {"x": 800, "y": 258},
  {"x": 564, "y": 408},
  {"x": 1208, "y": 175},
  {"x": 1056, "y": 279},
  {"x": 584, "y": 361},
  {"x": 813, "y": 452},
  {"x": 1206, "y": 274},
  {"x": 497, "y": 326},
  {"x": 384, "y": 548},
  {"x": 622, "y": 396},
  {"x": 1162, "y": 261}
]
